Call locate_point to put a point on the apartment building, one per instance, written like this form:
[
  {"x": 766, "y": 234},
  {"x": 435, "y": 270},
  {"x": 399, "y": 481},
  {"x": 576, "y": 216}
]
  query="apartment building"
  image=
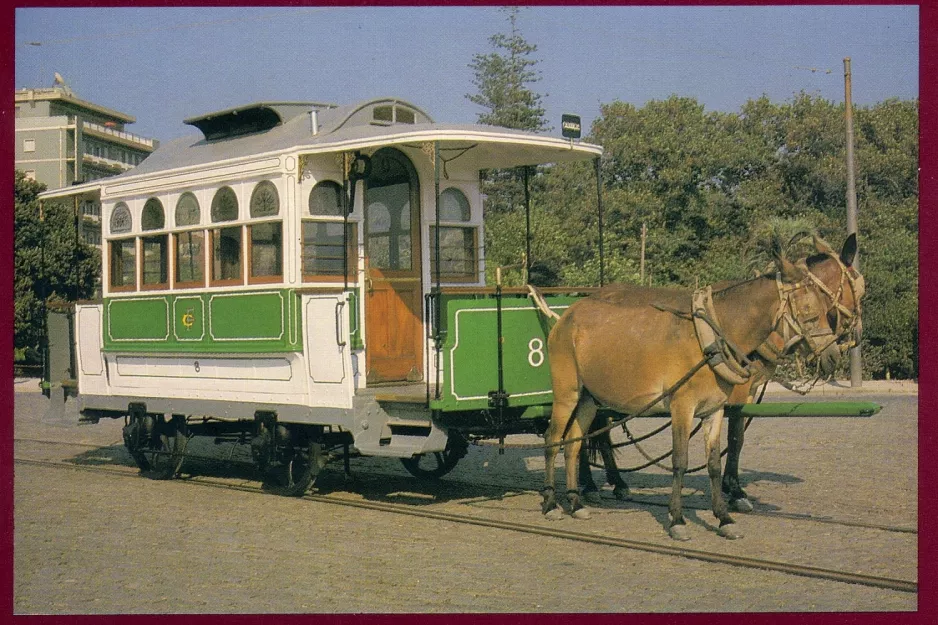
[{"x": 63, "y": 140}]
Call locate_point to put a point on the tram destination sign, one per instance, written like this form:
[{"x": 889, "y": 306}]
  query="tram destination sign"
[{"x": 570, "y": 126}]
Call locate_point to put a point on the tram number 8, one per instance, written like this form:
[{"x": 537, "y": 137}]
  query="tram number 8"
[{"x": 536, "y": 352}]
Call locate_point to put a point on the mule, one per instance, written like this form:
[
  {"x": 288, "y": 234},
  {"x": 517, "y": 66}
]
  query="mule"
[
  {"x": 658, "y": 362},
  {"x": 843, "y": 286}
]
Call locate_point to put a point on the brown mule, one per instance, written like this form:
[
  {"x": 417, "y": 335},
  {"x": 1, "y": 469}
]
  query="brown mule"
[
  {"x": 626, "y": 354},
  {"x": 843, "y": 287}
]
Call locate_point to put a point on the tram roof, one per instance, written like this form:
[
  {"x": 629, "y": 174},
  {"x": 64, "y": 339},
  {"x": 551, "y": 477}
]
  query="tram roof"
[{"x": 342, "y": 129}]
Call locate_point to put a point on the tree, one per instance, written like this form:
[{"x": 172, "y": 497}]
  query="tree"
[
  {"x": 503, "y": 79},
  {"x": 49, "y": 262}
]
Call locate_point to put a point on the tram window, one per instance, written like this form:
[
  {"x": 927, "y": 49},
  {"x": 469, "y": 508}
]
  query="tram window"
[
  {"x": 187, "y": 210},
  {"x": 123, "y": 261},
  {"x": 226, "y": 256},
  {"x": 264, "y": 200},
  {"x": 458, "y": 243},
  {"x": 190, "y": 259},
  {"x": 224, "y": 205},
  {"x": 266, "y": 251},
  {"x": 458, "y": 260},
  {"x": 155, "y": 259},
  {"x": 325, "y": 200},
  {"x": 322, "y": 249},
  {"x": 153, "y": 218}
]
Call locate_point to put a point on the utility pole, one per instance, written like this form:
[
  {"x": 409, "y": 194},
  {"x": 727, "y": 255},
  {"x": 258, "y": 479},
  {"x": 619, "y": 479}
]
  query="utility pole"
[
  {"x": 856, "y": 368},
  {"x": 642, "y": 265}
]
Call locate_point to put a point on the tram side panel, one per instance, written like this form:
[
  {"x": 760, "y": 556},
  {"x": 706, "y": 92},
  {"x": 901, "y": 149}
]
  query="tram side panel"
[{"x": 223, "y": 355}]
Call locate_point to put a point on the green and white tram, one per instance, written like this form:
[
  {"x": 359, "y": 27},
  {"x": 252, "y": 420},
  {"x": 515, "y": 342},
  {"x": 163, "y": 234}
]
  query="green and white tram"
[{"x": 309, "y": 277}]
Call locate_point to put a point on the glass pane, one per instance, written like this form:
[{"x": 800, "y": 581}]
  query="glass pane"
[
  {"x": 322, "y": 248},
  {"x": 454, "y": 206},
  {"x": 267, "y": 249},
  {"x": 187, "y": 210},
  {"x": 265, "y": 202},
  {"x": 326, "y": 200},
  {"x": 121, "y": 220},
  {"x": 226, "y": 254},
  {"x": 457, "y": 252},
  {"x": 388, "y": 227},
  {"x": 155, "y": 260},
  {"x": 123, "y": 263},
  {"x": 225, "y": 205},
  {"x": 152, "y": 215},
  {"x": 190, "y": 256}
]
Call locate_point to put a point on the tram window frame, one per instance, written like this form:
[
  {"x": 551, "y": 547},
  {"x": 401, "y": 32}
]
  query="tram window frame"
[
  {"x": 189, "y": 226},
  {"x": 265, "y": 209},
  {"x": 116, "y": 259},
  {"x": 313, "y": 219},
  {"x": 216, "y": 234},
  {"x": 153, "y": 218},
  {"x": 454, "y": 218}
]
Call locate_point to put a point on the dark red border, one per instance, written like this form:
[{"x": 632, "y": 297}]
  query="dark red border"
[{"x": 928, "y": 407}]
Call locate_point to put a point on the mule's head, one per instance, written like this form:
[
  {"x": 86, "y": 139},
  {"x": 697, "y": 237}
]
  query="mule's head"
[{"x": 819, "y": 314}]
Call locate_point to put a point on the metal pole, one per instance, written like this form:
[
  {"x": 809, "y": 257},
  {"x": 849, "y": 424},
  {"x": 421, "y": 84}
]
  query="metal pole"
[
  {"x": 856, "y": 367},
  {"x": 641, "y": 271},
  {"x": 599, "y": 204},
  {"x": 527, "y": 225}
]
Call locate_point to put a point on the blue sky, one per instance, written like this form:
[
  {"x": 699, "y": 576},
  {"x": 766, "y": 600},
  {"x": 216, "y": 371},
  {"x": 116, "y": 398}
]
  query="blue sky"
[{"x": 162, "y": 65}]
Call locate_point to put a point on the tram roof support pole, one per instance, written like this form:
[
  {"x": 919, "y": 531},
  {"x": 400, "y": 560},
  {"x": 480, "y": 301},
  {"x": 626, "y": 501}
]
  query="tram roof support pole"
[
  {"x": 525, "y": 171},
  {"x": 349, "y": 197},
  {"x": 436, "y": 206},
  {"x": 599, "y": 205}
]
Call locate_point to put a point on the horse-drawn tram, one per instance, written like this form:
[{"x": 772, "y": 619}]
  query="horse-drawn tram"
[{"x": 309, "y": 279}]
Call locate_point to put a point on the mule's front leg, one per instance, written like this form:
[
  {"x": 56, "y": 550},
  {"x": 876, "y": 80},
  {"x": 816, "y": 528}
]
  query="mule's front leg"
[{"x": 711, "y": 428}]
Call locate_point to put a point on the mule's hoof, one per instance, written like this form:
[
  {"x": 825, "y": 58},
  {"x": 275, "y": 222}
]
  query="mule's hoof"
[
  {"x": 592, "y": 496},
  {"x": 622, "y": 494},
  {"x": 729, "y": 532},
  {"x": 581, "y": 514},
  {"x": 554, "y": 514},
  {"x": 679, "y": 532},
  {"x": 740, "y": 505}
]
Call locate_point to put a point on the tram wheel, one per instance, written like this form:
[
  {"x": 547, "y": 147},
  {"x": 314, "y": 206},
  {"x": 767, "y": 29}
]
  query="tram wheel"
[
  {"x": 295, "y": 471},
  {"x": 437, "y": 464},
  {"x": 157, "y": 446}
]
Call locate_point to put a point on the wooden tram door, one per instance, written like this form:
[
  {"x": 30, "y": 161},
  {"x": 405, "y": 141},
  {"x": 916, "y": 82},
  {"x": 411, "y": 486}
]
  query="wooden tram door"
[{"x": 393, "y": 298}]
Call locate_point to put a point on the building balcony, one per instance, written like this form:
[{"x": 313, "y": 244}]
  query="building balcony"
[
  {"x": 131, "y": 140},
  {"x": 108, "y": 164}
]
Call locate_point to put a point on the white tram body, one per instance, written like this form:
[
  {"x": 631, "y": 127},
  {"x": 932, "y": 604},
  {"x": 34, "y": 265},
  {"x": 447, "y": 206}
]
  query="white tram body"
[{"x": 234, "y": 279}]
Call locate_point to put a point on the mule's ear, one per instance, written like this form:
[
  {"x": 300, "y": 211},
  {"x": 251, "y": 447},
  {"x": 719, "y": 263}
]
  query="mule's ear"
[
  {"x": 823, "y": 247},
  {"x": 849, "y": 253},
  {"x": 790, "y": 273}
]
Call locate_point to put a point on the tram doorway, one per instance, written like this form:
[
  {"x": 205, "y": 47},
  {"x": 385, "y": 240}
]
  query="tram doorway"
[{"x": 393, "y": 301}]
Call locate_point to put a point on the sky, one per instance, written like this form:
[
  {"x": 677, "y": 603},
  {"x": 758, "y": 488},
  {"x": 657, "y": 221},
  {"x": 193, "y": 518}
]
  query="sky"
[{"x": 163, "y": 65}]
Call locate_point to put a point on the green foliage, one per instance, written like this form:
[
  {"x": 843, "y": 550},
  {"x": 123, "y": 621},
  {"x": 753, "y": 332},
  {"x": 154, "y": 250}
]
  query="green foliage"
[
  {"x": 713, "y": 190},
  {"x": 48, "y": 262}
]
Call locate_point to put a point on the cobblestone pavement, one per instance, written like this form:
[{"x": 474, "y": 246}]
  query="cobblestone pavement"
[{"x": 98, "y": 543}]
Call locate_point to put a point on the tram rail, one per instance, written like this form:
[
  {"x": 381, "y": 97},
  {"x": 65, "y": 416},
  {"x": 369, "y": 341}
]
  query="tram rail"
[{"x": 813, "y": 572}]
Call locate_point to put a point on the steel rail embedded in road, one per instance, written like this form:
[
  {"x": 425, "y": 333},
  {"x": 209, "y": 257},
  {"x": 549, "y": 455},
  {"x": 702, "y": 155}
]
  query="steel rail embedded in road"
[{"x": 874, "y": 581}]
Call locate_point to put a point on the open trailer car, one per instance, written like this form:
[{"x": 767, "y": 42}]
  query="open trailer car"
[{"x": 309, "y": 279}]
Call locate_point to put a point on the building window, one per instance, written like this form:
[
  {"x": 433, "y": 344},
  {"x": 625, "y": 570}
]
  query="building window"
[
  {"x": 324, "y": 235},
  {"x": 29, "y": 145},
  {"x": 458, "y": 243},
  {"x": 121, "y": 221},
  {"x": 226, "y": 242},
  {"x": 123, "y": 261}
]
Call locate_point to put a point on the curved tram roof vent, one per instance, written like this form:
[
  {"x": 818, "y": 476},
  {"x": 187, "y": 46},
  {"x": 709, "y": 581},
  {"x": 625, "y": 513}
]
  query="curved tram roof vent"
[{"x": 251, "y": 118}]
